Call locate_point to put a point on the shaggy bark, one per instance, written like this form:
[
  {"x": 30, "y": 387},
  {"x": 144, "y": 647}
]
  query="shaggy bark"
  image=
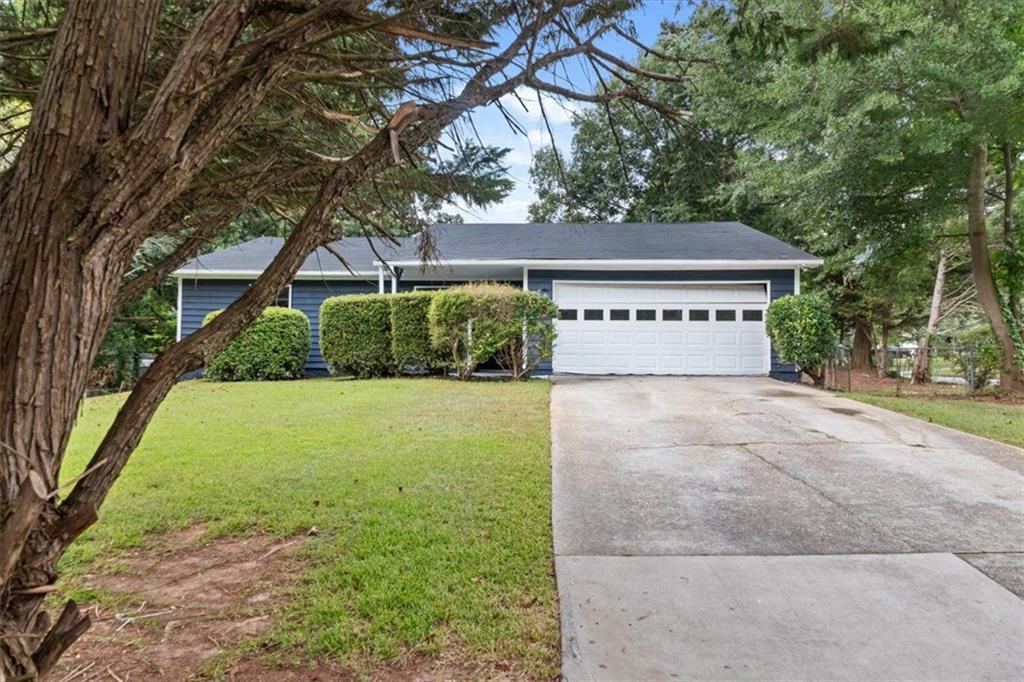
[
  {"x": 922, "y": 360},
  {"x": 981, "y": 270}
]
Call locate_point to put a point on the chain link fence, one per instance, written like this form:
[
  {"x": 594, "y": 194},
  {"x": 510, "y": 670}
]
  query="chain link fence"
[{"x": 954, "y": 369}]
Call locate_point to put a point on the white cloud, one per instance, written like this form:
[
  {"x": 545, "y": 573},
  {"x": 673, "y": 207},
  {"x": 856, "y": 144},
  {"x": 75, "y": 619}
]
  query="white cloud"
[
  {"x": 527, "y": 106},
  {"x": 538, "y": 137}
]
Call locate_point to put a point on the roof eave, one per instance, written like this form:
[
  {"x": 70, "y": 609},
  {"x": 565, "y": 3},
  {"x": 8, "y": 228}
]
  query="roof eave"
[
  {"x": 253, "y": 274},
  {"x": 621, "y": 263}
]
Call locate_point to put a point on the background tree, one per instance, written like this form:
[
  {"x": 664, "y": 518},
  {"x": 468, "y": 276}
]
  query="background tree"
[
  {"x": 848, "y": 131},
  {"x": 153, "y": 118}
]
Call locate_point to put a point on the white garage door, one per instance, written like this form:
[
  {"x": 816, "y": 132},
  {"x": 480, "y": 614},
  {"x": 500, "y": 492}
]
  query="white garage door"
[{"x": 661, "y": 328}]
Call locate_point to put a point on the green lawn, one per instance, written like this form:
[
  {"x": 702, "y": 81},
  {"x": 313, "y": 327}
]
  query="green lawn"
[
  {"x": 998, "y": 421},
  {"x": 432, "y": 498}
]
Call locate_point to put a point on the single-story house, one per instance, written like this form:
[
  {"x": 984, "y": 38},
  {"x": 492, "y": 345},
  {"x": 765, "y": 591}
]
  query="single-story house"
[{"x": 633, "y": 298}]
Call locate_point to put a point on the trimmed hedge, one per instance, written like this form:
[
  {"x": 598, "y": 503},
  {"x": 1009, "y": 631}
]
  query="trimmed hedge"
[
  {"x": 473, "y": 323},
  {"x": 355, "y": 335},
  {"x": 275, "y": 346},
  {"x": 410, "y": 331},
  {"x": 803, "y": 332}
]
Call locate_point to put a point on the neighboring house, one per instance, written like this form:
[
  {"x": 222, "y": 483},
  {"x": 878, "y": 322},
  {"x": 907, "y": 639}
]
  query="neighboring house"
[{"x": 633, "y": 298}]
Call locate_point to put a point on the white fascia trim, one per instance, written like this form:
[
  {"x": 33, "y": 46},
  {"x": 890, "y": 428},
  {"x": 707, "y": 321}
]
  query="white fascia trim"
[
  {"x": 253, "y": 274},
  {"x": 617, "y": 264},
  {"x": 178, "y": 331}
]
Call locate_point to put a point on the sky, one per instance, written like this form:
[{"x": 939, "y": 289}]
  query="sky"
[{"x": 646, "y": 20}]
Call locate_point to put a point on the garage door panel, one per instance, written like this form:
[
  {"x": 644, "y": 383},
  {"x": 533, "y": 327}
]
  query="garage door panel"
[
  {"x": 726, "y": 362},
  {"x": 664, "y": 330},
  {"x": 726, "y": 339}
]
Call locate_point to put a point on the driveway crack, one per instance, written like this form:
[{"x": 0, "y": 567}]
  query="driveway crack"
[{"x": 821, "y": 493}]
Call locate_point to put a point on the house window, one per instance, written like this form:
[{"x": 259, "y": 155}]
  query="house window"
[
  {"x": 593, "y": 314},
  {"x": 671, "y": 315},
  {"x": 725, "y": 316},
  {"x": 699, "y": 316},
  {"x": 284, "y": 297},
  {"x": 567, "y": 313},
  {"x": 646, "y": 315},
  {"x": 618, "y": 314},
  {"x": 752, "y": 315}
]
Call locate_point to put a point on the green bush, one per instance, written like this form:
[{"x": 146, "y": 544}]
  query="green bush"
[
  {"x": 803, "y": 332},
  {"x": 535, "y": 314},
  {"x": 410, "y": 331},
  {"x": 275, "y": 346},
  {"x": 978, "y": 355},
  {"x": 355, "y": 335},
  {"x": 474, "y": 323}
]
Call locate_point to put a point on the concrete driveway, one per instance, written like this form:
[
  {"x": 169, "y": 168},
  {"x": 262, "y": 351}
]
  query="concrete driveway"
[{"x": 742, "y": 528}]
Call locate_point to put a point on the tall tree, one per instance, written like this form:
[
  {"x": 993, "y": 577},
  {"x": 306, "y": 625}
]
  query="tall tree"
[
  {"x": 914, "y": 98},
  {"x": 152, "y": 117}
]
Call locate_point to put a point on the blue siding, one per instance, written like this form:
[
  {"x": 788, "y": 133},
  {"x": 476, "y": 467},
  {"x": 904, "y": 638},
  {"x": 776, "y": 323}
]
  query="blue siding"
[
  {"x": 782, "y": 283},
  {"x": 200, "y": 296}
]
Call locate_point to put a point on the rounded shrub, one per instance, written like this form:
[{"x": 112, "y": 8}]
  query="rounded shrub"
[
  {"x": 473, "y": 323},
  {"x": 275, "y": 346},
  {"x": 410, "y": 331},
  {"x": 803, "y": 332},
  {"x": 355, "y": 335}
]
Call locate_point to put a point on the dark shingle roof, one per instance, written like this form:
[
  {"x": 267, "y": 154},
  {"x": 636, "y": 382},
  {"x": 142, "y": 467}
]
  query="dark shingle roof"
[
  {"x": 255, "y": 255},
  {"x": 611, "y": 241},
  {"x": 525, "y": 241}
]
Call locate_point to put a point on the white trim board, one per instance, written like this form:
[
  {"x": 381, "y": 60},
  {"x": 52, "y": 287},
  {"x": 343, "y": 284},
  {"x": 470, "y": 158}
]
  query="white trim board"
[
  {"x": 622, "y": 264},
  {"x": 253, "y": 274},
  {"x": 178, "y": 332}
]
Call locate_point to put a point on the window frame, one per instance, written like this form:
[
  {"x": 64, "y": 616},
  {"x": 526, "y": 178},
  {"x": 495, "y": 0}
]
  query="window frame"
[
  {"x": 758, "y": 311},
  {"x": 726, "y": 311},
  {"x": 674, "y": 311}
]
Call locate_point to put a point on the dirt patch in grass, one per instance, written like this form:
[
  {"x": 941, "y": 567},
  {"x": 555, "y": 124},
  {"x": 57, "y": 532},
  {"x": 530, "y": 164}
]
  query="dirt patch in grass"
[
  {"x": 183, "y": 608},
  {"x": 167, "y": 611}
]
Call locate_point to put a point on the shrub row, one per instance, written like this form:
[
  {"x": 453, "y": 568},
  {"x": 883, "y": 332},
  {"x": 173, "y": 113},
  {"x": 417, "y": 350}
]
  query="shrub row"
[
  {"x": 451, "y": 329},
  {"x": 275, "y": 346}
]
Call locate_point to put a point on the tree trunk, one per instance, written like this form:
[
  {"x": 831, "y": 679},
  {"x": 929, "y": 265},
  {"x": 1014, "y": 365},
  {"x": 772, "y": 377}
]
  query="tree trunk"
[
  {"x": 921, "y": 374},
  {"x": 882, "y": 353},
  {"x": 860, "y": 356},
  {"x": 1013, "y": 260},
  {"x": 981, "y": 270},
  {"x": 56, "y": 293}
]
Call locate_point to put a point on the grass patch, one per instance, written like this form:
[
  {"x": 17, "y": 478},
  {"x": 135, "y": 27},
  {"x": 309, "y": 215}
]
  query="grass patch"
[
  {"x": 432, "y": 499},
  {"x": 1003, "y": 422}
]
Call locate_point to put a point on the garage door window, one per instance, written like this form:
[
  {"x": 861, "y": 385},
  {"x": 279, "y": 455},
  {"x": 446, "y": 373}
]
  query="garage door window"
[
  {"x": 725, "y": 316},
  {"x": 618, "y": 314},
  {"x": 699, "y": 316},
  {"x": 593, "y": 314},
  {"x": 646, "y": 315},
  {"x": 672, "y": 315},
  {"x": 752, "y": 315},
  {"x": 567, "y": 314}
]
